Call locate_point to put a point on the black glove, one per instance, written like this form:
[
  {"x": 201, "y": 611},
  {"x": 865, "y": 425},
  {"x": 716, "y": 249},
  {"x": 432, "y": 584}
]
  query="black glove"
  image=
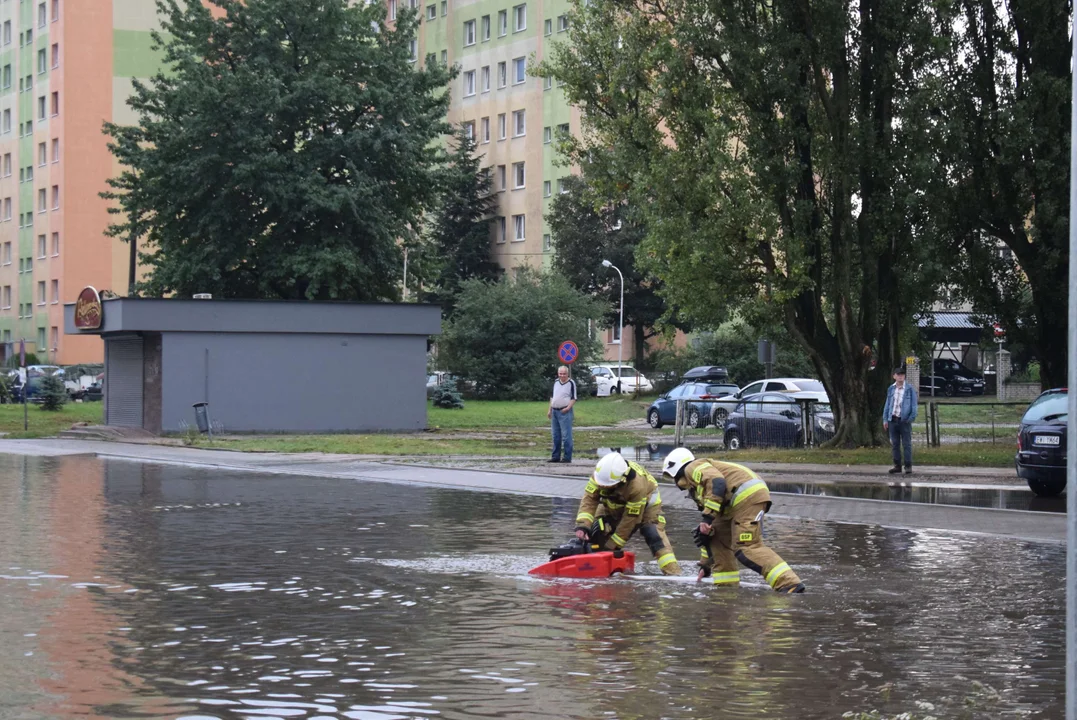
[
  {"x": 699, "y": 538},
  {"x": 586, "y": 531}
]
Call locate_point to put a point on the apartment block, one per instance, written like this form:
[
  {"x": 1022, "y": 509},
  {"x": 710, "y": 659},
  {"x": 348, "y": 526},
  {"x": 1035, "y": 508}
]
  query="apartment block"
[
  {"x": 65, "y": 68},
  {"x": 515, "y": 116}
]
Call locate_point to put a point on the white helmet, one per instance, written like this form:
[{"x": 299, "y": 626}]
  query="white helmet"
[
  {"x": 677, "y": 460},
  {"x": 611, "y": 470}
]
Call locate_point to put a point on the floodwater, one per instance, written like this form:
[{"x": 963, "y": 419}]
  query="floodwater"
[{"x": 131, "y": 590}]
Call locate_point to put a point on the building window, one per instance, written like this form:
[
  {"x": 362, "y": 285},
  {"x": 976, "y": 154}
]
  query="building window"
[
  {"x": 546, "y": 189},
  {"x": 7, "y": 165},
  {"x": 501, "y": 229},
  {"x": 501, "y": 184},
  {"x": 502, "y": 23},
  {"x": 547, "y": 134},
  {"x": 55, "y": 10},
  {"x": 469, "y": 33},
  {"x": 42, "y": 61},
  {"x": 501, "y": 133},
  {"x": 41, "y": 292},
  {"x": 519, "y": 123},
  {"x": 547, "y": 243},
  {"x": 518, "y": 176},
  {"x": 615, "y": 335},
  {"x": 42, "y": 200},
  {"x": 392, "y": 9},
  {"x": 431, "y": 12},
  {"x": 548, "y": 27},
  {"x": 485, "y": 28},
  {"x": 7, "y": 32},
  {"x": 484, "y": 78},
  {"x": 41, "y": 108},
  {"x": 40, "y": 337},
  {"x": 55, "y": 333},
  {"x": 469, "y": 130},
  {"x": 41, "y": 246},
  {"x": 7, "y": 252},
  {"x": 520, "y": 225},
  {"x": 469, "y": 83},
  {"x": 444, "y": 8},
  {"x": 502, "y": 77},
  {"x": 431, "y": 58},
  {"x": 562, "y": 23},
  {"x": 55, "y": 104},
  {"x": 55, "y": 292},
  {"x": 55, "y": 244},
  {"x": 7, "y": 297},
  {"x": 55, "y": 55},
  {"x": 413, "y": 46},
  {"x": 7, "y": 78},
  {"x": 547, "y": 82},
  {"x": 42, "y": 154},
  {"x": 563, "y": 130},
  {"x": 445, "y": 58},
  {"x": 7, "y": 216},
  {"x": 560, "y": 186},
  {"x": 55, "y": 197},
  {"x": 519, "y": 18},
  {"x": 485, "y": 129},
  {"x": 519, "y": 70},
  {"x": 42, "y": 15}
]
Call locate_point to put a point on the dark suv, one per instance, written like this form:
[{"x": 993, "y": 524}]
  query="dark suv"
[
  {"x": 951, "y": 378},
  {"x": 1041, "y": 443}
]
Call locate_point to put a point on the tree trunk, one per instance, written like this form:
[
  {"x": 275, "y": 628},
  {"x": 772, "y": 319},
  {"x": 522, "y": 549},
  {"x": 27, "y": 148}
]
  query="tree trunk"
[
  {"x": 1052, "y": 316},
  {"x": 639, "y": 342}
]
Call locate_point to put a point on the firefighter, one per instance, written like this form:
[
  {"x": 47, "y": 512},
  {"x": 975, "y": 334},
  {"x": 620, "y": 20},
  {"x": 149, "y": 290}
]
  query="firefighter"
[
  {"x": 620, "y": 498},
  {"x": 733, "y": 500}
]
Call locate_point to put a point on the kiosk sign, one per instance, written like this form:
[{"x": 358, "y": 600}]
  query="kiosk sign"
[{"x": 88, "y": 310}]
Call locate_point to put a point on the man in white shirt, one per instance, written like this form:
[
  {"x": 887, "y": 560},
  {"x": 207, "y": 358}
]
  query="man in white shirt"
[{"x": 560, "y": 414}]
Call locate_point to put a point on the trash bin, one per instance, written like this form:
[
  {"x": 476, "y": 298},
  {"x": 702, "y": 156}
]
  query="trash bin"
[{"x": 201, "y": 416}]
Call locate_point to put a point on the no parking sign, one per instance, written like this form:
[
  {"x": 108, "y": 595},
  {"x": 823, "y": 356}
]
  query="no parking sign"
[{"x": 568, "y": 352}]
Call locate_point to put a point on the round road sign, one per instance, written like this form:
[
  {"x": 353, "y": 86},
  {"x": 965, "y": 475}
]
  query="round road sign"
[{"x": 568, "y": 352}]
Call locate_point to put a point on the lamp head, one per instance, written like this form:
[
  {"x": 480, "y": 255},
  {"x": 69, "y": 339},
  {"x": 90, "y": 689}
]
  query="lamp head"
[{"x": 607, "y": 263}]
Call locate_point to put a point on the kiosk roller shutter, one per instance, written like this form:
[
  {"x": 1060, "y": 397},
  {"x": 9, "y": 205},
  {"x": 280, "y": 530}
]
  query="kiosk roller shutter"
[{"x": 123, "y": 383}]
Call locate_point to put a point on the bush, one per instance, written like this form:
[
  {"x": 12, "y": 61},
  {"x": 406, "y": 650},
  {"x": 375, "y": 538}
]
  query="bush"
[
  {"x": 13, "y": 361},
  {"x": 6, "y": 384},
  {"x": 446, "y": 396},
  {"x": 53, "y": 393},
  {"x": 504, "y": 337}
]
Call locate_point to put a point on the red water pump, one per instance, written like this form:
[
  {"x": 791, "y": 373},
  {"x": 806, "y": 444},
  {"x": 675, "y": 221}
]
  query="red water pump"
[{"x": 580, "y": 559}]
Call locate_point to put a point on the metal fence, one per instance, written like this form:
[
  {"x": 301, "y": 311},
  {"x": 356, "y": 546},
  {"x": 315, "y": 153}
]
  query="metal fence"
[{"x": 762, "y": 422}]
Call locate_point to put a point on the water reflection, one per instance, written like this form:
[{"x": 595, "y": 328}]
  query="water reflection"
[{"x": 133, "y": 590}]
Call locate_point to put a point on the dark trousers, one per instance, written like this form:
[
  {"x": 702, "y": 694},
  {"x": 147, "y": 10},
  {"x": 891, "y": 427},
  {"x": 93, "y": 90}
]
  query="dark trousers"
[{"x": 901, "y": 434}]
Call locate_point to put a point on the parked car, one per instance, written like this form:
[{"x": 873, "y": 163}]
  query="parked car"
[
  {"x": 1041, "y": 443},
  {"x": 711, "y": 373},
  {"x": 776, "y": 420},
  {"x": 950, "y": 378},
  {"x": 798, "y": 387},
  {"x": 94, "y": 392},
  {"x": 610, "y": 380},
  {"x": 663, "y": 411}
]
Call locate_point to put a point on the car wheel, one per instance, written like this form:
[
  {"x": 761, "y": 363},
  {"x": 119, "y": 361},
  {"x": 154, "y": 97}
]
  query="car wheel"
[
  {"x": 653, "y": 420},
  {"x": 1047, "y": 488},
  {"x": 695, "y": 418},
  {"x": 732, "y": 441},
  {"x": 720, "y": 416},
  {"x": 948, "y": 389}
]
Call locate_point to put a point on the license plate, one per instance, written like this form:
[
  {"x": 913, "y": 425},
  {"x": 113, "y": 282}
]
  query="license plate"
[{"x": 1045, "y": 440}]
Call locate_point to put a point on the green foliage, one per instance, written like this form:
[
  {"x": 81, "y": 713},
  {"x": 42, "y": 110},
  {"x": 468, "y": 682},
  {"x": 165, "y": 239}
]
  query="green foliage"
[
  {"x": 734, "y": 346},
  {"x": 446, "y": 396},
  {"x": 53, "y": 393},
  {"x": 587, "y": 229},
  {"x": 13, "y": 361},
  {"x": 460, "y": 231},
  {"x": 505, "y": 335},
  {"x": 283, "y": 153},
  {"x": 777, "y": 156},
  {"x": 6, "y": 384},
  {"x": 1006, "y": 121}
]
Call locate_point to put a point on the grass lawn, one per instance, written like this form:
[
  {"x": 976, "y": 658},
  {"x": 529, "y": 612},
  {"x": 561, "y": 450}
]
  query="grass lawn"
[
  {"x": 589, "y": 412},
  {"x": 43, "y": 424},
  {"x": 976, "y": 412},
  {"x": 958, "y": 455}
]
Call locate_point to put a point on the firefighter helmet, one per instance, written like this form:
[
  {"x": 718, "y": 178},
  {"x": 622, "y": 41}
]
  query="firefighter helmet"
[
  {"x": 611, "y": 470},
  {"x": 677, "y": 460}
]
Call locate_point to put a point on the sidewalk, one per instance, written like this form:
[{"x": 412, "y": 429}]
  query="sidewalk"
[{"x": 567, "y": 483}]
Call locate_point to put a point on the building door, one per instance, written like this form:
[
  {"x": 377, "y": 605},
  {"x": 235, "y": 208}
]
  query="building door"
[{"x": 123, "y": 382}]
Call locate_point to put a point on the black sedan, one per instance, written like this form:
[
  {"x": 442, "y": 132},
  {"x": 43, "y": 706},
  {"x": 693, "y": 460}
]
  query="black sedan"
[
  {"x": 1041, "y": 443},
  {"x": 951, "y": 378},
  {"x": 777, "y": 420}
]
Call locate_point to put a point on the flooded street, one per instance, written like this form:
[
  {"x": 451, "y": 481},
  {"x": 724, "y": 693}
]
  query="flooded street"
[{"x": 137, "y": 590}]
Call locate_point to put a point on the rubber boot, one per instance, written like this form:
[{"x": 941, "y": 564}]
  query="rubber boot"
[{"x": 791, "y": 589}]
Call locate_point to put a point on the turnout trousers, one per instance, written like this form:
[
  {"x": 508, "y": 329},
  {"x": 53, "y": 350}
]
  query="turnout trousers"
[
  {"x": 737, "y": 534},
  {"x": 652, "y": 527}
]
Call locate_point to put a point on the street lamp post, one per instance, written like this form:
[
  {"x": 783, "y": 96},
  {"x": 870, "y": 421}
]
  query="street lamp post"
[{"x": 620, "y": 321}]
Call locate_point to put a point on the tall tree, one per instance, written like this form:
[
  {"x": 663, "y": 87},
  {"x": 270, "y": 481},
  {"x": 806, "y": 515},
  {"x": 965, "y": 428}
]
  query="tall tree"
[
  {"x": 778, "y": 151},
  {"x": 583, "y": 236},
  {"x": 1007, "y": 117},
  {"x": 283, "y": 153},
  {"x": 460, "y": 230}
]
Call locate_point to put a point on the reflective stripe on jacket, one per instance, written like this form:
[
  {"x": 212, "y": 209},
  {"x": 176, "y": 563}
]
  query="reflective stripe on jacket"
[{"x": 625, "y": 503}]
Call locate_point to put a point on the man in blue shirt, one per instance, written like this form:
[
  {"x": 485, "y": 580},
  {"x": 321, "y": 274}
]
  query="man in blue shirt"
[{"x": 899, "y": 414}]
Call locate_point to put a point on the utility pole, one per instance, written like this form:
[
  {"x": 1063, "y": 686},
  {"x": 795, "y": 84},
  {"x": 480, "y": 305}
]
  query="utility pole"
[{"x": 1071, "y": 436}]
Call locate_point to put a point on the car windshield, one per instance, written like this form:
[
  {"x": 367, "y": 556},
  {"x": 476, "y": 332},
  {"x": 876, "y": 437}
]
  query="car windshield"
[
  {"x": 810, "y": 386},
  {"x": 1047, "y": 407},
  {"x": 822, "y": 408},
  {"x": 624, "y": 372},
  {"x": 719, "y": 389}
]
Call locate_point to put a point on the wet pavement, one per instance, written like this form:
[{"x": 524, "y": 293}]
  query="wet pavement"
[{"x": 138, "y": 590}]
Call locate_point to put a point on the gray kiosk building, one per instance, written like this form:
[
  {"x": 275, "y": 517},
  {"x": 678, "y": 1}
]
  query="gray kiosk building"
[{"x": 262, "y": 366}]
